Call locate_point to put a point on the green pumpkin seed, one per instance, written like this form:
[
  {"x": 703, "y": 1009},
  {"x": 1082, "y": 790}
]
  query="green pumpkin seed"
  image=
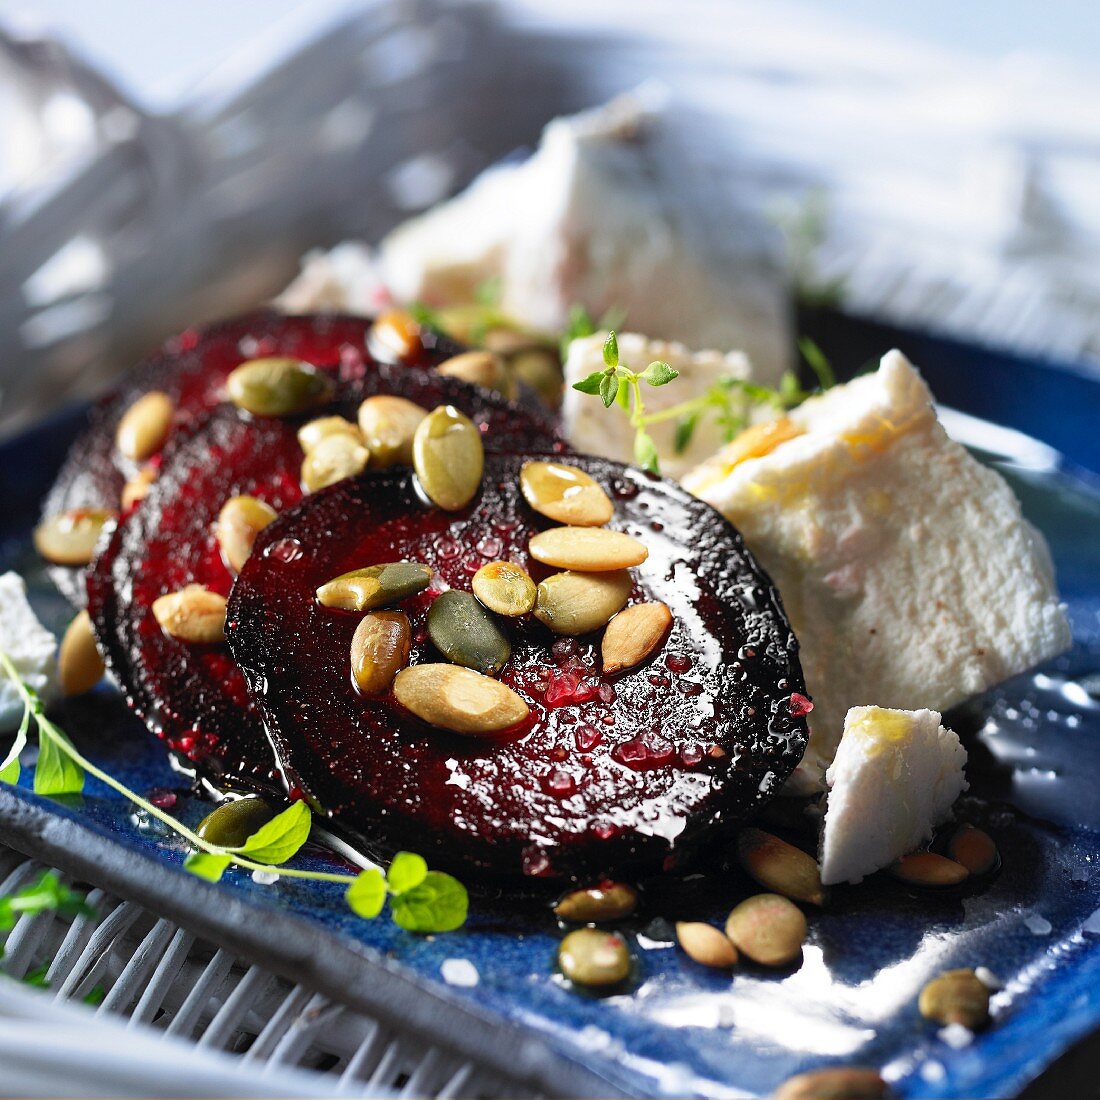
[
  {"x": 232, "y": 823},
  {"x": 309, "y": 435},
  {"x": 956, "y": 997},
  {"x": 70, "y": 538},
  {"x": 565, "y": 494},
  {"x": 375, "y": 586},
  {"x": 594, "y": 959},
  {"x": 277, "y": 387},
  {"x": 767, "y": 928},
  {"x": 459, "y": 699},
  {"x": 240, "y": 520},
  {"x": 334, "y": 458},
  {"x": 379, "y": 650},
  {"x": 576, "y": 603},
  {"x": 466, "y": 634},
  {"x": 835, "y": 1083},
  {"x": 504, "y": 588},
  {"x": 388, "y": 424},
  {"x": 144, "y": 426},
  {"x": 479, "y": 368},
  {"x": 606, "y": 902},
  {"x": 448, "y": 458},
  {"x": 780, "y": 866}
]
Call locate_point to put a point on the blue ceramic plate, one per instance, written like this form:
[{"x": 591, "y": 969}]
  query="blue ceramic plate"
[{"x": 680, "y": 1030}]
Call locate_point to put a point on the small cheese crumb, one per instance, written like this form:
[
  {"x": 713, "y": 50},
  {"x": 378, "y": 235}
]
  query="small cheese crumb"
[
  {"x": 30, "y": 647},
  {"x": 460, "y": 972},
  {"x": 895, "y": 777}
]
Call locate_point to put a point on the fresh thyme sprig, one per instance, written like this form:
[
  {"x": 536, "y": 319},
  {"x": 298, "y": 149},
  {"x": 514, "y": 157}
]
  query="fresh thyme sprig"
[
  {"x": 420, "y": 900},
  {"x": 729, "y": 399}
]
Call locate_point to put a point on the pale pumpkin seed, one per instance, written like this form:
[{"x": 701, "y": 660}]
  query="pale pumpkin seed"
[
  {"x": 466, "y": 634},
  {"x": 706, "y": 945},
  {"x": 232, "y": 823},
  {"x": 541, "y": 370},
  {"x": 835, "y": 1083},
  {"x": 375, "y": 586},
  {"x": 459, "y": 699},
  {"x": 309, "y": 435},
  {"x": 606, "y": 902},
  {"x": 379, "y": 650},
  {"x": 144, "y": 426},
  {"x": 193, "y": 614},
  {"x": 780, "y": 866},
  {"x": 577, "y": 603},
  {"x": 240, "y": 520},
  {"x": 69, "y": 538},
  {"x": 479, "y": 368},
  {"x": 505, "y": 588},
  {"x": 79, "y": 665},
  {"x": 137, "y": 488},
  {"x": 929, "y": 869},
  {"x": 767, "y": 928},
  {"x": 334, "y": 458},
  {"x": 974, "y": 849},
  {"x": 448, "y": 457},
  {"x": 388, "y": 425},
  {"x": 395, "y": 336},
  {"x": 633, "y": 635},
  {"x": 956, "y": 997},
  {"x": 565, "y": 494},
  {"x": 587, "y": 549},
  {"x": 277, "y": 387},
  {"x": 594, "y": 959}
]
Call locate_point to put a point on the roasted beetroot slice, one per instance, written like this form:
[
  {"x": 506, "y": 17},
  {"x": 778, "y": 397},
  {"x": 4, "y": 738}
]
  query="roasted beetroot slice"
[
  {"x": 610, "y": 773},
  {"x": 194, "y": 697},
  {"x": 191, "y": 368}
]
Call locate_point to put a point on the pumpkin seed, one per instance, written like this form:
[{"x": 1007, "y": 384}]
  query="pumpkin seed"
[
  {"x": 510, "y": 341},
  {"x": 79, "y": 665},
  {"x": 388, "y": 425},
  {"x": 336, "y": 457},
  {"x": 136, "y": 489},
  {"x": 606, "y": 902},
  {"x": 504, "y": 588},
  {"x": 277, "y": 387},
  {"x": 379, "y": 650},
  {"x": 144, "y": 426},
  {"x": 706, "y": 945},
  {"x": 594, "y": 959},
  {"x": 375, "y": 586},
  {"x": 479, "y": 368},
  {"x": 767, "y": 928},
  {"x": 565, "y": 494},
  {"x": 395, "y": 336},
  {"x": 974, "y": 849},
  {"x": 956, "y": 997},
  {"x": 466, "y": 634},
  {"x": 780, "y": 866},
  {"x": 929, "y": 869},
  {"x": 576, "y": 603},
  {"x": 459, "y": 699},
  {"x": 309, "y": 435},
  {"x": 232, "y": 823},
  {"x": 193, "y": 614},
  {"x": 835, "y": 1083},
  {"x": 448, "y": 457},
  {"x": 633, "y": 635},
  {"x": 69, "y": 538},
  {"x": 541, "y": 370},
  {"x": 587, "y": 549},
  {"x": 240, "y": 520}
]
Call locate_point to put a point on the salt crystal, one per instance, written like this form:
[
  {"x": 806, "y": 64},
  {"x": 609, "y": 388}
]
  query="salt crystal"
[
  {"x": 1037, "y": 925},
  {"x": 460, "y": 972},
  {"x": 265, "y": 878},
  {"x": 956, "y": 1036}
]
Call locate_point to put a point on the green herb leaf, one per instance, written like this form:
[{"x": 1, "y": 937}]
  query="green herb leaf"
[
  {"x": 208, "y": 865},
  {"x": 611, "y": 350},
  {"x": 56, "y": 772},
  {"x": 95, "y": 995},
  {"x": 488, "y": 293},
  {"x": 439, "y": 904},
  {"x": 407, "y": 871},
  {"x": 280, "y": 839},
  {"x": 426, "y": 317},
  {"x": 37, "y": 977},
  {"x": 367, "y": 894},
  {"x": 609, "y": 390},
  {"x": 818, "y": 361},
  {"x": 622, "y": 398},
  {"x": 659, "y": 373},
  {"x": 685, "y": 429},
  {"x": 645, "y": 452},
  {"x": 592, "y": 383},
  {"x": 9, "y": 769},
  {"x": 47, "y": 894}
]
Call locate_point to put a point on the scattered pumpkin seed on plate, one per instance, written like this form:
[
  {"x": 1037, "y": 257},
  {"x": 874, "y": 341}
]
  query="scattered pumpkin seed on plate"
[
  {"x": 835, "y": 1083},
  {"x": 310, "y": 434},
  {"x": 70, "y": 538},
  {"x": 144, "y": 426},
  {"x": 633, "y": 635},
  {"x": 780, "y": 866},
  {"x": 335, "y": 457},
  {"x": 459, "y": 699},
  {"x": 379, "y": 650},
  {"x": 375, "y": 586},
  {"x": 577, "y": 603},
  {"x": 240, "y": 520},
  {"x": 395, "y": 335},
  {"x": 505, "y": 588},
  {"x": 607, "y": 902},
  {"x": 193, "y": 614},
  {"x": 466, "y": 633},
  {"x": 565, "y": 494},
  {"x": 706, "y": 945},
  {"x": 448, "y": 458},
  {"x": 277, "y": 387},
  {"x": 137, "y": 488},
  {"x": 231, "y": 823},
  {"x": 595, "y": 959},
  {"x": 587, "y": 549},
  {"x": 769, "y": 929},
  {"x": 79, "y": 664},
  {"x": 388, "y": 424},
  {"x": 974, "y": 849},
  {"x": 929, "y": 869},
  {"x": 956, "y": 997},
  {"x": 479, "y": 368}
]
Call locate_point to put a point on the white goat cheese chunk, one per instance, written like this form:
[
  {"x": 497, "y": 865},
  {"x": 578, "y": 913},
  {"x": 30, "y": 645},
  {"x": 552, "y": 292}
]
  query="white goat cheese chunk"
[
  {"x": 31, "y": 648},
  {"x": 592, "y": 429},
  {"x": 895, "y": 777},
  {"x": 906, "y": 568}
]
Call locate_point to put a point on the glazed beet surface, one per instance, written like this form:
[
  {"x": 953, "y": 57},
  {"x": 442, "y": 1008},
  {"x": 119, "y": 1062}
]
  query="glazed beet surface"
[
  {"x": 194, "y": 696},
  {"x": 608, "y": 774},
  {"x": 191, "y": 368}
]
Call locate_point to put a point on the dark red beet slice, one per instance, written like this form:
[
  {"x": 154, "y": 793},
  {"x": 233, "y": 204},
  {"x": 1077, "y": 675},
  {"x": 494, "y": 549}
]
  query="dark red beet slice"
[
  {"x": 610, "y": 773},
  {"x": 191, "y": 368},
  {"x": 194, "y": 697}
]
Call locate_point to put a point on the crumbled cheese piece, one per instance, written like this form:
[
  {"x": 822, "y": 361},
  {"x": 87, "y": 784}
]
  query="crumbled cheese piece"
[
  {"x": 29, "y": 645},
  {"x": 905, "y": 566},
  {"x": 895, "y": 777},
  {"x": 344, "y": 279},
  {"x": 592, "y": 429},
  {"x": 604, "y": 216}
]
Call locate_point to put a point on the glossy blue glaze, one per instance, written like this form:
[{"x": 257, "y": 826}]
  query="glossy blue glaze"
[{"x": 681, "y": 1030}]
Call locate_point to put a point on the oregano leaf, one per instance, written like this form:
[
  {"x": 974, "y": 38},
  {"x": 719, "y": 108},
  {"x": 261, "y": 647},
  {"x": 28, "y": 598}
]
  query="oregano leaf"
[
  {"x": 439, "y": 904},
  {"x": 56, "y": 772},
  {"x": 367, "y": 894},
  {"x": 281, "y": 838},
  {"x": 9, "y": 769},
  {"x": 407, "y": 871},
  {"x": 208, "y": 865}
]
